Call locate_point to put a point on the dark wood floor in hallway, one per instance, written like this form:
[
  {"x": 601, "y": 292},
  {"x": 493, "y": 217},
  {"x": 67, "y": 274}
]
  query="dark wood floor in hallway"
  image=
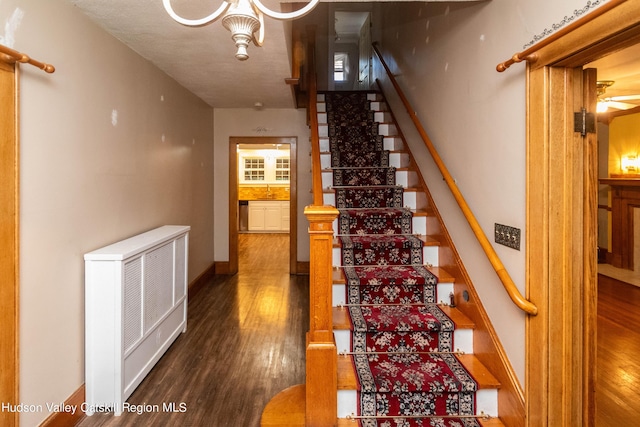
[{"x": 244, "y": 344}]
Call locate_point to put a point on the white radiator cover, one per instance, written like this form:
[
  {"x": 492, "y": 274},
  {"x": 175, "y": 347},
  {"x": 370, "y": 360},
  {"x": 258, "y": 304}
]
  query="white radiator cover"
[{"x": 135, "y": 307}]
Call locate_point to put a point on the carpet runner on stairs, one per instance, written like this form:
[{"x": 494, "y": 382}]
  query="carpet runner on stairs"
[{"x": 401, "y": 340}]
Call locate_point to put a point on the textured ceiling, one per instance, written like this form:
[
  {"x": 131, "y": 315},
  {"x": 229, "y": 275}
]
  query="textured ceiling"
[{"x": 200, "y": 58}]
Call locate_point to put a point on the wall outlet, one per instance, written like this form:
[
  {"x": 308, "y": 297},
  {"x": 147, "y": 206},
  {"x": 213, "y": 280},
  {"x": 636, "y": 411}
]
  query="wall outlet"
[{"x": 507, "y": 236}]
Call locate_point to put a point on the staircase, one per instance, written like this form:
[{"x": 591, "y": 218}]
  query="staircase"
[{"x": 405, "y": 353}]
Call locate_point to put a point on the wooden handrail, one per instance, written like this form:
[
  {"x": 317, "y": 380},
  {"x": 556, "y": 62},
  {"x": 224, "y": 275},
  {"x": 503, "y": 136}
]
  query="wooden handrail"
[
  {"x": 316, "y": 168},
  {"x": 529, "y": 54},
  {"x": 15, "y": 56},
  {"x": 513, "y": 292}
]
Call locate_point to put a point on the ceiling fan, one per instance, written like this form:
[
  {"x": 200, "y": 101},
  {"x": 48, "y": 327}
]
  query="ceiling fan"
[{"x": 616, "y": 102}]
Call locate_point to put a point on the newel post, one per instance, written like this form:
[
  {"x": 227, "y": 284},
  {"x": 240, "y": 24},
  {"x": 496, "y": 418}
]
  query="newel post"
[{"x": 321, "y": 375}]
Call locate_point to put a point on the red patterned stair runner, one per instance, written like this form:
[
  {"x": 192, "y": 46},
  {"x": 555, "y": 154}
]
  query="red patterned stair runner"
[{"x": 401, "y": 340}]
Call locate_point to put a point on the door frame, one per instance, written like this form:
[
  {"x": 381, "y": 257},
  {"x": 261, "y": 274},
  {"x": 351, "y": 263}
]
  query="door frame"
[
  {"x": 292, "y": 141},
  {"x": 561, "y": 225},
  {"x": 9, "y": 241}
]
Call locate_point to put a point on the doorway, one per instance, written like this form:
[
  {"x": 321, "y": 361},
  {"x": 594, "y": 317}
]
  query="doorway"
[
  {"x": 350, "y": 47},
  {"x": 562, "y": 203},
  {"x": 263, "y": 194},
  {"x": 9, "y": 260}
]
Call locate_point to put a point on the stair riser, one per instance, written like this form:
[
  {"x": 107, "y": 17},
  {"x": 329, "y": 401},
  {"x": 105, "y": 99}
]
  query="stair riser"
[
  {"x": 462, "y": 340},
  {"x": 410, "y": 199},
  {"x": 443, "y": 290},
  {"x": 418, "y": 225},
  {"x": 429, "y": 256},
  {"x": 385, "y": 129},
  {"x": 404, "y": 178},
  {"x": 486, "y": 402},
  {"x": 391, "y": 143},
  {"x": 397, "y": 160},
  {"x": 379, "y": 116}
]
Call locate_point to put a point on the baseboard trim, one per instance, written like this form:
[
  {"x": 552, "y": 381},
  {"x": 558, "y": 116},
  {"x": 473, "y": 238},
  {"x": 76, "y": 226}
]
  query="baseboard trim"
[
  {"x": 66, "y": 419},
  {"x": 222, "y": 267},
  {"x": 199, "y": 282},
  {"x": 302, "y": 268}
]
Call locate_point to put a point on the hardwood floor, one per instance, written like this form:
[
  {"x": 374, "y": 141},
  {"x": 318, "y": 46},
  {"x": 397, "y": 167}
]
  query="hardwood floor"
[
  {"x": 245, "y": 342},
  {"x": 618, "y": 383}
]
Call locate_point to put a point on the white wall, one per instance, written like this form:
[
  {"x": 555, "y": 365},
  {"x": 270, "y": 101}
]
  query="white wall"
[
  {"x": 444, "y": 56},
  {"x": 236, "y": 122},
  {"x": 110, "y": 147}
]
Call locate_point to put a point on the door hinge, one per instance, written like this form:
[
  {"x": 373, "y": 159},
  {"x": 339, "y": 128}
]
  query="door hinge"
[{"x": 584, "y": 122}]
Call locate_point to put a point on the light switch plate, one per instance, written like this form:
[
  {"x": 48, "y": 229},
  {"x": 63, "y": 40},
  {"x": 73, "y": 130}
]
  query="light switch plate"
[{"x": 507, "y": 236}]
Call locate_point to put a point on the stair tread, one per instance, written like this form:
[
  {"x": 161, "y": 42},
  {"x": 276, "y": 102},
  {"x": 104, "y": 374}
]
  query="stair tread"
[
  {"x": 347, "y": 379},
  {"x": 420, "y": 212},
  {"x": 426, "y": 240},
  {"x": 341, "y": 318},
  {"x": 443, "y": 275}
]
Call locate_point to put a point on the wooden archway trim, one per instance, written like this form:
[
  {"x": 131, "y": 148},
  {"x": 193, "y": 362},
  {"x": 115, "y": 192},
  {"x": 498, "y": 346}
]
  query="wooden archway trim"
[
  {"x": 9, "y": 232},
  {"x": 561, "y": 200}
]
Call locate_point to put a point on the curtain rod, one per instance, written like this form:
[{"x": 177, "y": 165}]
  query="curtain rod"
[
  {"x": 529, "y": 54},
  {"x": 11, "y": 55}
]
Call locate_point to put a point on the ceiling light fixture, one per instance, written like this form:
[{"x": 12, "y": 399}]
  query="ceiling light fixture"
[{"x": 243, "y": 18}]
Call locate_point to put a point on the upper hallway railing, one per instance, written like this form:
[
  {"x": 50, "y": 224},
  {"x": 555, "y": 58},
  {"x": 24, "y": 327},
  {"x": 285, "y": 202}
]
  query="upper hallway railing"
[
  {"x": 512, "y": 290},
  {"x": 312, "y": 81}
]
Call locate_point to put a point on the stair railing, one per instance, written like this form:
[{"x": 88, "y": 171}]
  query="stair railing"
[
  {"x": 512, "y": 290},
  {"x": 321, "y": 388},
  {"x": 313, "y": 120}
]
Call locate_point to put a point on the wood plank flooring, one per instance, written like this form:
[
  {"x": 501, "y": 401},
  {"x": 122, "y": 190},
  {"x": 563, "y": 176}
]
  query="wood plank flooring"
[
  {"x": 245, "y": 342},
  {"x": 618, "y": 377}
]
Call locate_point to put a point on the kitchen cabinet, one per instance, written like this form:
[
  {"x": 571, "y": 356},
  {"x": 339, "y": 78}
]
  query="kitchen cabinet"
[{"x": 268, "y": 215}]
